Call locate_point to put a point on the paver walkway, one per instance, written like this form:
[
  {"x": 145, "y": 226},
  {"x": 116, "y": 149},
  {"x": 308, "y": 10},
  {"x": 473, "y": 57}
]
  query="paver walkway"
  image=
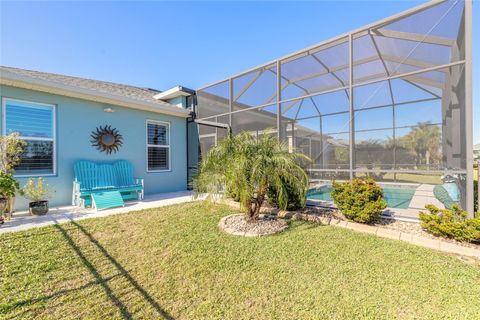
[{"x": 23, "y": 221}]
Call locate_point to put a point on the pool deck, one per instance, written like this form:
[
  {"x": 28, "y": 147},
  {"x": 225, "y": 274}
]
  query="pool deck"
[{"x": 423, "y": 195}]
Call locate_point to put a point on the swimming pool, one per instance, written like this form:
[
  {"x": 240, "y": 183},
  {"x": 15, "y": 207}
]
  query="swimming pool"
[{"x": 396, "y": 197}]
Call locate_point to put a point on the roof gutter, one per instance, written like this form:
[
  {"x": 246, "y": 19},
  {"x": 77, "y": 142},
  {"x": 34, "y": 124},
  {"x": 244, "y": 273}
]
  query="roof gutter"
[{"x": 25, "y": 82}]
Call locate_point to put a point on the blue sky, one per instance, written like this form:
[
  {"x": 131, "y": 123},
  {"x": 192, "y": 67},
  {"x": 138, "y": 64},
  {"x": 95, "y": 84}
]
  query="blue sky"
[{"x": 162, "y": 44}]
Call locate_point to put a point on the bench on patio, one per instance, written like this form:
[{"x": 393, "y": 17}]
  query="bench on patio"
[{"x": 104, "y": 185}]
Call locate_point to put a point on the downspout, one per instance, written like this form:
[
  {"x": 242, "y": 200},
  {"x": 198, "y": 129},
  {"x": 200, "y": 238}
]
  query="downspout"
[{"x": 188, "y": 121}]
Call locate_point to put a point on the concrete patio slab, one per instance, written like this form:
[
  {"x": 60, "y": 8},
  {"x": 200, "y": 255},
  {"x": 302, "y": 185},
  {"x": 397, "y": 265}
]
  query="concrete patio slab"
[
  {"x": 426, "y": 187},
  {"x": 23, "y": 221}
]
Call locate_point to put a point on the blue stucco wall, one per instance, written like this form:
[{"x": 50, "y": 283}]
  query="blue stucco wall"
[
  {"x": 178, "y": 101},
  {"x": 75, "y": 120}
]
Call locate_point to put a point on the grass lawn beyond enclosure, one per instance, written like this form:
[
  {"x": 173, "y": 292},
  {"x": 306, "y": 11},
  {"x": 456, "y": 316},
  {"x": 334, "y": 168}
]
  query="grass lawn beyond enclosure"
[{"x": 173, "y": 262}]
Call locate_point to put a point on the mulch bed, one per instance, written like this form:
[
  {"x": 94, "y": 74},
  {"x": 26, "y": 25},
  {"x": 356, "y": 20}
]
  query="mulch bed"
[{"x": 237, "y": 224}]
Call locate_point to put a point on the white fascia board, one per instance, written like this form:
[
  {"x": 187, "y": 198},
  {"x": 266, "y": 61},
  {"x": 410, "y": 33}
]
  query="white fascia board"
[
  {"x": 174, "y": 92},
  {"x": 25, "y": 82}
]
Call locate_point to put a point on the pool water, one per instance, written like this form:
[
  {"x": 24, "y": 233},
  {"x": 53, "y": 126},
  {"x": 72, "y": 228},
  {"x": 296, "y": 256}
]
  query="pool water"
[{"x": 396, "y": 197}]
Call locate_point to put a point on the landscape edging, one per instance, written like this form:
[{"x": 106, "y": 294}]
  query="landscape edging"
[{"x": 435, "y": 244}]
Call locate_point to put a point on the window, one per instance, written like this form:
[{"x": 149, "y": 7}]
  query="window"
[
  {"x": 35, "y": 123},
  {"x": 158, "y": 146}
]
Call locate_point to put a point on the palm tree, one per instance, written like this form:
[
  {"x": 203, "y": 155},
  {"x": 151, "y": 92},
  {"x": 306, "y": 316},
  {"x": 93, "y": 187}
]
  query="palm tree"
[
  {"x": 424, "y": 142},
  {"x": 249, "y": 166}
]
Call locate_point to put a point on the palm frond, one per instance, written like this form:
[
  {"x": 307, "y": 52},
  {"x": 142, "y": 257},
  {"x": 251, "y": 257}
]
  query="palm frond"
[{"x": 250, "y": 165}]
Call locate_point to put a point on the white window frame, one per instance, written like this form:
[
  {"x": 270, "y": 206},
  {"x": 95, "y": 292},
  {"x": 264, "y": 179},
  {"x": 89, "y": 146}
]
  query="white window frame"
[
  {"x": 167, "y": 124},
  {"x": 53, "y": 139}
]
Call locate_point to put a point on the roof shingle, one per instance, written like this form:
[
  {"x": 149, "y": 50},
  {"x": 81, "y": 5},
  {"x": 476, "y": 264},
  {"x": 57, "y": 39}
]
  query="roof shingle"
[{"x": 132, "y": 92}]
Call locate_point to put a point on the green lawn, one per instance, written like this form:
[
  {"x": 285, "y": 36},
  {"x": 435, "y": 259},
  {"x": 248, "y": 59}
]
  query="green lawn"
[
  {"x": 413, "y": 178},
  {"x": 407, "y": 178},
  {"x": 173, "y": 262}
]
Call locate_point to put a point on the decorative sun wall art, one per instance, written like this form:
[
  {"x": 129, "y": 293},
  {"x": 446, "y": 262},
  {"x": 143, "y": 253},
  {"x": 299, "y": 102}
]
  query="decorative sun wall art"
[{"x": 106, "y": 139}]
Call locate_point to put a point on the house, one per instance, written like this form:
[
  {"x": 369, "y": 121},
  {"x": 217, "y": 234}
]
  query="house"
[
  {"x": 57, "y": 114},
  {"x": 476, "y": 152},
  {"x": 391, "y": 100}
]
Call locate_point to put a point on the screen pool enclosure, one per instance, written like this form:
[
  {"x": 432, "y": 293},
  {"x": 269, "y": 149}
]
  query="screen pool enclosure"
[{"x": 391, "y": 100}]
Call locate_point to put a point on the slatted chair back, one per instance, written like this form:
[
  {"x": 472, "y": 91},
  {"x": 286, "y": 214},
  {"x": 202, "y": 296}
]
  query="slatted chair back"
[
  {"x": 86, "y": 174},
  {"x": 106, "y": 176},
  {"x": 124, "y": 173}
]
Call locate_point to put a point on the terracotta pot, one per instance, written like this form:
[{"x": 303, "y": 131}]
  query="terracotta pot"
[{"x": 38, "y": 208}]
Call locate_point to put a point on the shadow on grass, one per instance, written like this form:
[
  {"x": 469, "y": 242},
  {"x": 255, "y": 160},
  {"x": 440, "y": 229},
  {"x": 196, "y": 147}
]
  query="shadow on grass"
[
  {"x": 20, "y": 304},
  {"x": 12, "y": 236},
  {"x": 98, "y": 278},
  {"x": 103, "y": 281},
  {"x": 125, "y": 273},
  {"x": 301, "y": 225}
]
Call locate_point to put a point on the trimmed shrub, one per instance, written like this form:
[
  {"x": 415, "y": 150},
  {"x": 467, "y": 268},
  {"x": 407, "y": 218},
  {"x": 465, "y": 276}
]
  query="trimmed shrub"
[
  {"x": 359, "y": 200},
  {"x": 296, "y": 198},
  {"x": 451, "y": 223}
]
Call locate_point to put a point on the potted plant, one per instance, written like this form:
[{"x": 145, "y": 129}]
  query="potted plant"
[
  {"x": 11, "y": 149},
  {"x": 38, "y": 192},
  {"x": 8, "y": 188}
]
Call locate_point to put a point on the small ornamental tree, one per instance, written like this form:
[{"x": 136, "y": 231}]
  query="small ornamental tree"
[
  {"x": 11, "y": 148},
  {"x": 248, "y": 167},
  {"x": 359, "y": 200}
]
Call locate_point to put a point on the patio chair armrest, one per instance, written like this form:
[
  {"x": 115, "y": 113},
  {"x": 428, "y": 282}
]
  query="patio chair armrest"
[
  {"x": 139, "y": 181},
  {"x": 141, "y": 194},
  {"x": 76, "y": 193},
  {"x": 76, "y": 185}
]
